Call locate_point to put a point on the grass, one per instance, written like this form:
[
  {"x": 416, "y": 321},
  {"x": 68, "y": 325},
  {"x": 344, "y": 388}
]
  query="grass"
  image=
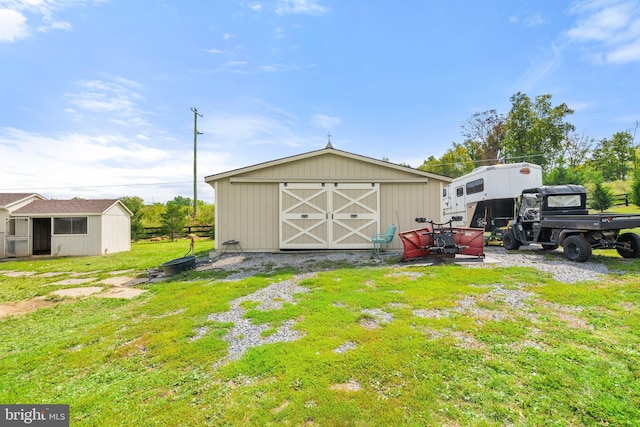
[{"x": 456, "y": 352}]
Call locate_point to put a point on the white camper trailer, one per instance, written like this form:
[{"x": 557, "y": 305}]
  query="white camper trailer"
[{"x": 485, "y": 198}]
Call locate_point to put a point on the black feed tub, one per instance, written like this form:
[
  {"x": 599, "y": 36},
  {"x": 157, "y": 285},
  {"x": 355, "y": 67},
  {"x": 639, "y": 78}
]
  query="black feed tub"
[{"x": 178, "y": 265}]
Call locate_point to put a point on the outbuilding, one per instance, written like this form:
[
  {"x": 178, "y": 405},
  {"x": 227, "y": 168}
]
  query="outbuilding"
[
  {"x": 323, "y": 199},
  {"x": 65, "y": 227}
]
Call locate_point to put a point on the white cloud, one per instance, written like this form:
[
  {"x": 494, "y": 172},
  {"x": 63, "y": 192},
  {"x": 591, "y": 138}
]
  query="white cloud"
[
  {"x": 103, "y": 165},
  {"x": 324, "y": 121},
  {"x": 608, "y": 31},
  {"x": 541, "y": 66},
  {"x": 13, "y": 25},
  {"x": 117, "y": 96},
  {"x": 56, "y": 25},
  {"x": 15, "y": 16},
  {"x": 580, "y": 105},
  {"x": 534, "y": 20},
  {"x": 235, "y": 63},
  {"x": 300, "y": 7}
]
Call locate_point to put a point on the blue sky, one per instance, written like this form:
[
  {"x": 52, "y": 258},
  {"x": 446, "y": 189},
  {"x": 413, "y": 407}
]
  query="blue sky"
[{"x": 96, "y": 95}]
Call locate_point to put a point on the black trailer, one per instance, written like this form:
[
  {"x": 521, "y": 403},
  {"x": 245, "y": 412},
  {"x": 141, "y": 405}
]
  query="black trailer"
[{"x": 555, "y": 216}]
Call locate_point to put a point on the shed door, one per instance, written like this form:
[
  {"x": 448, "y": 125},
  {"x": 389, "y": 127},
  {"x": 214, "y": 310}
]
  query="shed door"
[
  {"x": 328, "y": 215},
  {"x": 355, "y": 215}
]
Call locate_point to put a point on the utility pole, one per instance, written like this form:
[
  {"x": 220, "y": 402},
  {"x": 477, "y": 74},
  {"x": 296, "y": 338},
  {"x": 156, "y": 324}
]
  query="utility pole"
[{"x": 195, "y": 160}]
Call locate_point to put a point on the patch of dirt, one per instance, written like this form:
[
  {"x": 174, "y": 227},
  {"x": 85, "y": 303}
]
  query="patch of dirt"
[
  {"x": 23, "y": 307},
  {"x": 281, "y": 407},
  {"x": 351, "y": 386},
  {"x": 78, "y": 292}
]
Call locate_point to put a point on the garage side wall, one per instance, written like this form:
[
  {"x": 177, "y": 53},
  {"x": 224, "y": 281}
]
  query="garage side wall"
[
  {"x": 248, "y": 213},
  {"x": 401, "y": 204}
]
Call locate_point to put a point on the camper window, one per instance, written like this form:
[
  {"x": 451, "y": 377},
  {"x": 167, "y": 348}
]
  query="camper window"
[
  {"x": 444, "y": 192},
  {"x": 459, "y": 191},
  {"x": 476, "y": 186}
]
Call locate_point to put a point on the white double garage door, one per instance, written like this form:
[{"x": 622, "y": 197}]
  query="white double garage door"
[{"x": 329, "y": 215}]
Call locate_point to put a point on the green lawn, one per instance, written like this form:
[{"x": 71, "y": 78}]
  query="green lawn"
[{"x": 460, "y": 346}]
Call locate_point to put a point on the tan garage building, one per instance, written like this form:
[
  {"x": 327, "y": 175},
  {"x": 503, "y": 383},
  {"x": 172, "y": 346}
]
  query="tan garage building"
[{"x": 324, "y": 199}]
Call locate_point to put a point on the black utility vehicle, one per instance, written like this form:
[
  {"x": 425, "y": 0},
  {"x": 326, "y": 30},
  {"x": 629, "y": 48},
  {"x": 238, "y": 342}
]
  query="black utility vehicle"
[{"x": 557, "y": 216}]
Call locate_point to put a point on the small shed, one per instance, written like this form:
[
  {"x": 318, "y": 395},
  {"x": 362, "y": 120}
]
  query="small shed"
[
  {"x": 9, "y": 202},
  {"x": 322, "y": 200},
  {"x": 68, "y": 228}
]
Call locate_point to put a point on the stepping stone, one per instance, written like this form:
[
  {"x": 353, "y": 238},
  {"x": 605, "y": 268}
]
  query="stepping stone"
[
  {"x": 117, "y": 281},
  {"x": 78, "y": 292},
  {"x": 125, "y": 293},
  {"x": 74, "y": 281}
]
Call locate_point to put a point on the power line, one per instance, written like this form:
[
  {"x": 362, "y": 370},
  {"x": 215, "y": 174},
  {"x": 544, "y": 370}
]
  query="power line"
[{"x": 82, "y": 187}]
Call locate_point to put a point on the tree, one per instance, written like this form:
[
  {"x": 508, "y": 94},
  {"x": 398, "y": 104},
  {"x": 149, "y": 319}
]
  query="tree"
[
  {"x": 535, "y": 130},
  {"x": 174, "y": 217},
  {"x": 484, "y": 133},
  {"x": 602, "y": 198},
  {"x": 151, "y": 214},
  {"x": 135, "y": 205},
  {"x": 635, "y": 191},
  {"x": 613, "y": 158},
  {"x": 454, "y": 162},
  {"x": 575, "y": 150},
  {"x": 563, "y": 174}
]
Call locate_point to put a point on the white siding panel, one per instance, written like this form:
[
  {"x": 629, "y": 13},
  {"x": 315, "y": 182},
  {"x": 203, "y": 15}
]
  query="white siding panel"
[{"x": 79, "y": 244}]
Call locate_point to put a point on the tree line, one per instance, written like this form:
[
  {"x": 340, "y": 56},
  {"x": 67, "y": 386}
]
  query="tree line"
[
  {"x": 536, "y": 131},
  {"x": 172, "y": 216}
]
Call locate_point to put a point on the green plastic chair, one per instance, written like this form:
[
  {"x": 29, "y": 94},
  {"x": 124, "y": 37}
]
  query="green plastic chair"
[{"x": 383, "y": 238}]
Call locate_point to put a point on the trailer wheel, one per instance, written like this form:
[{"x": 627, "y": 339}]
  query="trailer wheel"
[
  {"x": 549, "y": 246},
  {"x": 577, "y": 248},
  {"x": 509, "y": 241},
  {"x": 630, "y": 247}
]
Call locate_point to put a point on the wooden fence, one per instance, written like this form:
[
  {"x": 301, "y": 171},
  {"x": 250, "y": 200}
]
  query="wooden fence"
[
  {"x": 621, "y": 199},
  {"x": 198, "y": 230}
]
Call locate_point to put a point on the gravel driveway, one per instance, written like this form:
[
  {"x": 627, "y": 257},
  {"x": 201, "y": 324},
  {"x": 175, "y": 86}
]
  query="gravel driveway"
[{"x": 249, "y": 264}]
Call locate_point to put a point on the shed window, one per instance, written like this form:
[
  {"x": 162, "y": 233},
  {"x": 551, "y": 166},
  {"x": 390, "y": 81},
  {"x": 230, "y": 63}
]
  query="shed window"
[
  {"x": 476, "y": 186},
  {"x": 70, "y": 225}
]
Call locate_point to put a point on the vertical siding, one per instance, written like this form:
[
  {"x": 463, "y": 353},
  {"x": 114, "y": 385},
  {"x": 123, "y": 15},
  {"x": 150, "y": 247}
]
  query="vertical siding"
[
  {"x": 401, "y": 204},
  {"x": 116, "y": 231},
  {"x": 4, "y": 215},
  {"x": 249, "y": 211},
  {"x": 79, "y": 244}
]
